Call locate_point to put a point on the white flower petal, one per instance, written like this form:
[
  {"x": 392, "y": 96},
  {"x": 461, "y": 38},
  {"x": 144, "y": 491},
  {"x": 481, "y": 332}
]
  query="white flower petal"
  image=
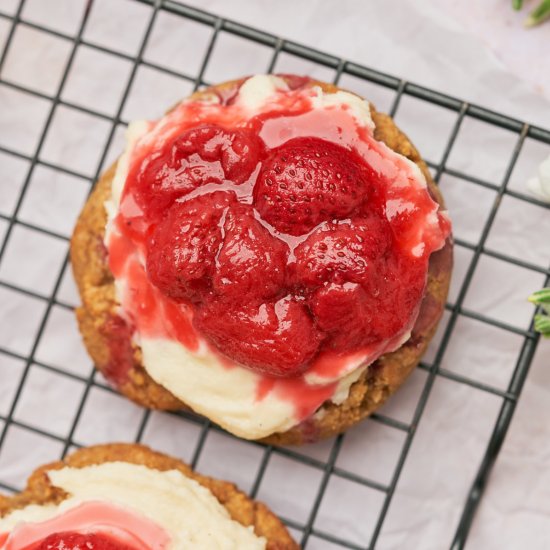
[{"x": 540, "y": 186}]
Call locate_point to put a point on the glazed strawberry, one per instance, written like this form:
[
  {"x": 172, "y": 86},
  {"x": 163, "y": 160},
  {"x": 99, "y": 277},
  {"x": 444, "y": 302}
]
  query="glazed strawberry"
[
  {"x": 347, "y": 251},
  {"x": 275, "y": 338},
  {"x": 347, "y": 314},
  {"x": 307, "y": 181},
  {"x": 405, "y": 282},
  {"x": 118, "y": 333},
  {"x": 203, "y": 155},
  {"x": 182, "y": 249},
  {"x": 237, "y": 150},
  {"x": 76, "y": 541},
  {"x": 169, "y": 175},
  {"x": 355, "y": 315},
  {"x": 251, "y": 262}
]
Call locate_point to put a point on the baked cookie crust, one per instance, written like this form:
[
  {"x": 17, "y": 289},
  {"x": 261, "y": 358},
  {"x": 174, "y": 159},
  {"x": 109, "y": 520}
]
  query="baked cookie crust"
[
  {"x": 368, "y": 393},
  {"x": 241, "y": 508}
]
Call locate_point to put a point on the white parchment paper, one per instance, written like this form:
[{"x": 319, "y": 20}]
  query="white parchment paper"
[{"x": 453, "y": 47}]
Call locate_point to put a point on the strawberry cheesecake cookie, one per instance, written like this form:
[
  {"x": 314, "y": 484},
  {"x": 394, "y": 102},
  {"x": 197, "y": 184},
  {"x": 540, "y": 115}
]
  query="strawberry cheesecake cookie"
[
  {"x": 272, "y": 254},
  {"x": 127, "y": 497}
]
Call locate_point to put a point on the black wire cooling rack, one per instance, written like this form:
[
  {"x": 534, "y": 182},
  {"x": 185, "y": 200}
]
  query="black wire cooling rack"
[{"x": 328, "y": 467}]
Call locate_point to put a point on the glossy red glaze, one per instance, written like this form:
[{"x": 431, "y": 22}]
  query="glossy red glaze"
[
  {"x": 118, "y": 334},
  {"x": 151, "y": 312}
]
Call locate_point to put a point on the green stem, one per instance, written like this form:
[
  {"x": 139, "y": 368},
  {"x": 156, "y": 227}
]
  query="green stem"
[
  {"x": 539, "y": 14},
  {"x": 517, "y": 4}
]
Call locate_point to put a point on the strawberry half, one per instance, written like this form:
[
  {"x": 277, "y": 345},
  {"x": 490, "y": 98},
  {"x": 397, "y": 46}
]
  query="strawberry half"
[
  {"x": 275, "y": 338},
  {"x": 207, "y": 154},
  {"x": 346, "y": 313},
  {"x": 182, "y": 249},
  {"x": 307, "y": 181},
  {"x": 339, "y": 252},
  {"x": 237, "y": 150},
  {"x": 251, "y": 262}
]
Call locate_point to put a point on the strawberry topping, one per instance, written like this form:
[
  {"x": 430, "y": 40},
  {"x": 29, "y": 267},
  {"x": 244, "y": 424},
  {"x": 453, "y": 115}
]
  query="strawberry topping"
[
  {"x": 276, "y": 254},
  {"x": 345, "y": 312},
  {"x": 77, "y": 541},
  {"x": 274, "y": 338},
  {"x": 307, "y": 181},
  {"x": 182, "y": 250},
  {"x": 353, "y": 250},
  {"x": 207, "y": 154},
  {"x": 251, "y": 262}
]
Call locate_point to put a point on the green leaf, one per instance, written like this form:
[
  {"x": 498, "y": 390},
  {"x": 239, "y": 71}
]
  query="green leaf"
[
  {"x": 517, "y": 4},
  {"x": 542, "y": 321},
  {"x": 540, "y": 297},
  {"x": 542, "y": 325},
  {"x": 539, "y": 14}
]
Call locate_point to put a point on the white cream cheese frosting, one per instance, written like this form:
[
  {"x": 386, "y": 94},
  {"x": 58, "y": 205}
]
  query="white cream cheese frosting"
[{"x": 187, "y": 511}]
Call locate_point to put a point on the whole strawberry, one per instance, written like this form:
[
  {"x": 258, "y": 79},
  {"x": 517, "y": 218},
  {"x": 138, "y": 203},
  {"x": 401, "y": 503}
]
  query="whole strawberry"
[{"x": 307, "y": 181}]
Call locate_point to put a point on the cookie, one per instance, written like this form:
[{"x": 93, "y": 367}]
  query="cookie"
[
  {"x": 109, "y": 342},
  {"x": 240, "y": 508}
]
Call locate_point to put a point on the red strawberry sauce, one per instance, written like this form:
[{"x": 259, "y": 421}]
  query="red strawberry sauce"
[
  {"x": 76, "y": 541},
  {"x": 291, "y": 241}
]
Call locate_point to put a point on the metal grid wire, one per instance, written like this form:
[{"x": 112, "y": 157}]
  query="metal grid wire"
[{"x": 329, "y": 467}]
